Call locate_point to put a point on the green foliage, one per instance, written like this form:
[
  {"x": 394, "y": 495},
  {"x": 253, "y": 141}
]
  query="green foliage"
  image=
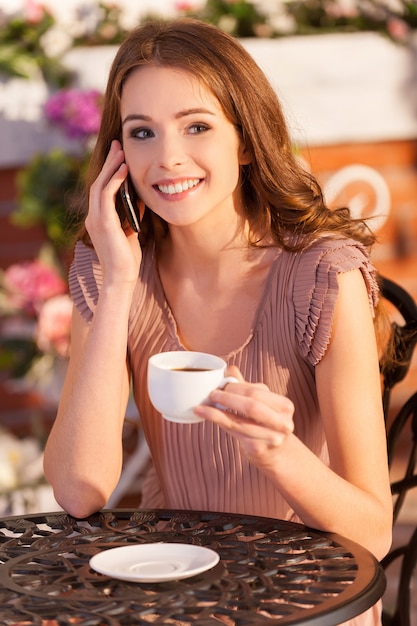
[
  {"x": 312, "y": 16},
  {"x": 307, "y": 17},
  {"x": 410, "y": 14},
  {"x": 22, "y": 54},
  {"x": 321, "y": 16},
  {"x": 240, "y": 18},
  {"x": 17, "y": 355},
  {"x": 45, "y": 190},
  {"x": 108, "y": 30}
]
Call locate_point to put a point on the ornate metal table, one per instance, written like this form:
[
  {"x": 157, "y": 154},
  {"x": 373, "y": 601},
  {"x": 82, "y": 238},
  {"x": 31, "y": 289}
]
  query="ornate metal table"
[{"x": 270, "y": 572}]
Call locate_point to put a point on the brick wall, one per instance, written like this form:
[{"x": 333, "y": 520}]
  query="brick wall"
[
  {"x": 395, "y": 254},
  {"x": 16, "y": 244},
  {"x": 396, "y": 251}
]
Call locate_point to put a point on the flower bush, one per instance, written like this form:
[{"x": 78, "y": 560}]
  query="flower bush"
[
  {"x": 75, "y": 111},
  {"x": 49, "y": 182},
  {"x": 54, "y": 323},
  {"x": 239, "y": 17},
  {"x": 22, "y": 50},
  {"x": 394, "y": 18},
  {"x": 268, "y": 18},
  {"x": 35, "y": 308},
  {"x": 45, "y": 188},
  {"x": 32, "y": 41},
  {"x": 35, "y": 313},
  {"x": 29, "y": 284}
]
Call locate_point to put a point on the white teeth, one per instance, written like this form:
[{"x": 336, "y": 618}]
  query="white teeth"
[{"x": 179, "y": 187}]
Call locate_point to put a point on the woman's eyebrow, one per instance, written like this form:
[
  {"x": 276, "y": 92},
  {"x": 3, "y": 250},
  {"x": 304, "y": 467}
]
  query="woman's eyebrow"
[
  {"x": 194, "y": 111},
  {"x": 134, "y": 117}
]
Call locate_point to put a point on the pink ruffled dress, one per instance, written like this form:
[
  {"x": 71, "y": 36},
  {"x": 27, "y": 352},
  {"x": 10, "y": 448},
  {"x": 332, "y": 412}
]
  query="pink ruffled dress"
[{"x": 200, "y": 466}]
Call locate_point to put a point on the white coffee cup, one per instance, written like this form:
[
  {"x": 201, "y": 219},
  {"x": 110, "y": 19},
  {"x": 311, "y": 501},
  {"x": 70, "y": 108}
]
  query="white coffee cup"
[{"x": 179, "y": 381}]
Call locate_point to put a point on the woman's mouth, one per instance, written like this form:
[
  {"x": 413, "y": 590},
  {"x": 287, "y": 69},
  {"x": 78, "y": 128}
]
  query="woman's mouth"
[{"x": 179, "y": 187}]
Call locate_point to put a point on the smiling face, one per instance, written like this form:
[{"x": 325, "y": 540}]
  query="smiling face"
[{"x": 183, "y": 154}]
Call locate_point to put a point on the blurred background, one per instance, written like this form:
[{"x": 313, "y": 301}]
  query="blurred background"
[{"x": 346, "y": 72}]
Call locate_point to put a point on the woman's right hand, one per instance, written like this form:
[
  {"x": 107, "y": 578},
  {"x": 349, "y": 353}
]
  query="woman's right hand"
[{"x": 117, "y": 248}]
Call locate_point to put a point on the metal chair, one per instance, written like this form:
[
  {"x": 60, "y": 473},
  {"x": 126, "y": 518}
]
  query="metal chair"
[{"x": 400, "y": 427}]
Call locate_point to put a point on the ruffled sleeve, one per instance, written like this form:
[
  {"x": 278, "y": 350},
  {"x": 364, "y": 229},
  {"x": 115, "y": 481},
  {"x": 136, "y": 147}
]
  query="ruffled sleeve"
[
  {"x": 85, "y": 279},
  {"x": 316, "y": 288}
]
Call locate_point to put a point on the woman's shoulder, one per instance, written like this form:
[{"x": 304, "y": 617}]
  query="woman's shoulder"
[
  {"x": 315, "y": 288},
  {"x": 327, "y": 242},
  {"x": 333, "y": 255},
  {"x": 85, "y": 277}
]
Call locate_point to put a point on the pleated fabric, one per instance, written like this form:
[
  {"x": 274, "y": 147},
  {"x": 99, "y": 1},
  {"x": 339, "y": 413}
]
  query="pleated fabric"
[{"x": 199, "y": 466}]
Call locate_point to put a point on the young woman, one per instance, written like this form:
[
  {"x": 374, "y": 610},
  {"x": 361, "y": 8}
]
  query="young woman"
[{"x": 237, "y": 256}]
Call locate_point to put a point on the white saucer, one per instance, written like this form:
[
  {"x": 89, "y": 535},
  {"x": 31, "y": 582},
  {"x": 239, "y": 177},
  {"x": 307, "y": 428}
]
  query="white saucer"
[{"x": 154, "y": 562}]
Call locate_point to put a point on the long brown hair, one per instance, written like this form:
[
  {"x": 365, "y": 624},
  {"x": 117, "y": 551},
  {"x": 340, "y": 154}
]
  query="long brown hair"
[{"x": 282, "y": 200}]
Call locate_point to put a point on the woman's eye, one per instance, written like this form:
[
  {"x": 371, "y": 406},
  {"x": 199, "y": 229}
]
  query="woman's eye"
[
  {"x": 141, "y": 133},
  {"x": 195, "y": 129}
]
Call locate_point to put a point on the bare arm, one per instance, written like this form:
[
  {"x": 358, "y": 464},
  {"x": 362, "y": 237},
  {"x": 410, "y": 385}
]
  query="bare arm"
[
  {"x": 83, "y": 455},
  {"x": 352, "y": 496}
]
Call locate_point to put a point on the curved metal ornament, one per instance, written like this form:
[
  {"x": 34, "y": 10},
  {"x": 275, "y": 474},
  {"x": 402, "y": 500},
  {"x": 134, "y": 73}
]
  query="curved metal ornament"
[{"x": 270, "y": 572}]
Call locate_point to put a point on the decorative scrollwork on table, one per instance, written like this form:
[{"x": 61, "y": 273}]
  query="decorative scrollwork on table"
[{"x": 269, "y": 571}]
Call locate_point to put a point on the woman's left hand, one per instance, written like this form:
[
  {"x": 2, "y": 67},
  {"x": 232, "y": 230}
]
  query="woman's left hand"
[{"x": 259, "y": 419}]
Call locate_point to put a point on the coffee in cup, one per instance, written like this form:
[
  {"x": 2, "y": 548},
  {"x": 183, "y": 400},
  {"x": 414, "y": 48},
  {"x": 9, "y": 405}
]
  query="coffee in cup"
[{"x": 180, "y": 380}]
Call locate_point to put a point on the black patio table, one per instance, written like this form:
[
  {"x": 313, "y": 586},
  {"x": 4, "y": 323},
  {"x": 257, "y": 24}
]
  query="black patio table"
[{"x": 271, "y": 572}]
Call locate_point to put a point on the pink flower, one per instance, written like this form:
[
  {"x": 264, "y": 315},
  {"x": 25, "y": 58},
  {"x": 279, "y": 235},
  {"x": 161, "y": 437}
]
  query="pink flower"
[
  {"x": 54, "y": 325},
  {"x": 346, "y": 9},
  {"x": 34, "y": 11},
  {"x": 183, "y": 7},
  {"x": 75, "y": 111},
  {"x": 31, "y": 283},
  {"x": 398, "y": 29}
]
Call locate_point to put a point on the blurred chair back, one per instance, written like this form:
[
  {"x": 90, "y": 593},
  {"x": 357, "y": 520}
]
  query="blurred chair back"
[{"x": 401, "y": 441}]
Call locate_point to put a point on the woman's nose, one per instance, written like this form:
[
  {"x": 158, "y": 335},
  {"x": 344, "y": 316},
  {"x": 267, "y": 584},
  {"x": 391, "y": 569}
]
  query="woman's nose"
[{"x": 170, "y": 152}]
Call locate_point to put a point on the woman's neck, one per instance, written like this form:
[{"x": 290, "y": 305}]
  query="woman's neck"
[
  {"x": 213, "y": 285},
  {"x": 207, "y": 250}
]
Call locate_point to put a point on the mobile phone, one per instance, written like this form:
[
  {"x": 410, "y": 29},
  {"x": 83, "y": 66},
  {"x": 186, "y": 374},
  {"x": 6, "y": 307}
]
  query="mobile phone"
[{"x": 130, "y": 210}]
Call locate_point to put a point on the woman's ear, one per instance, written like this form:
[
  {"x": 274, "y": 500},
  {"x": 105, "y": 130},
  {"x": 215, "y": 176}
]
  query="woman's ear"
[{"x": 245, "y": 155}]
